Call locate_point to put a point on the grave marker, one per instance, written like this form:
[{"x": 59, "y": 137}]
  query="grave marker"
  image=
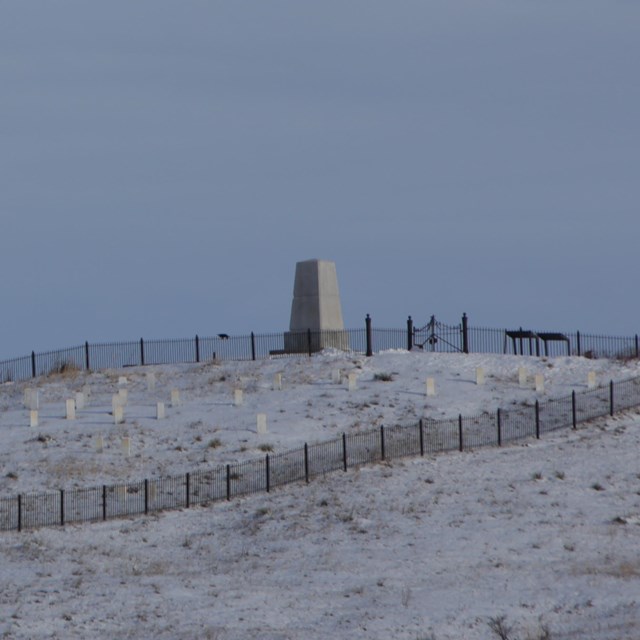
[
  {"x": 122, "y": 380},
  {"x": 160, "y": 413},
  {"x": 116, "y": 401},
  {"x": 539, "y": 383},
  {"x": 277, "y": 382},
  {"x": 431, "y": 387},
  {"x": 353, "y": 381},
  {"x": 522, "y": 376},
  {"x": 33, "y": 418},
  {"x": 124, "y": 396},
  {"x": 71, "y": 409},
  {"x": 479, "y": 376},
  {"x": 591, "y": 380},
  {"x": 118, "y": 414},
  {"x": 175, "y": 397},
  {"x": 237, "y": 397},
  {"x": 262, "y": 423}
]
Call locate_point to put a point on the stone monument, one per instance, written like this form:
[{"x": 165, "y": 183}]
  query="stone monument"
[{"x": 316, "y": 314}]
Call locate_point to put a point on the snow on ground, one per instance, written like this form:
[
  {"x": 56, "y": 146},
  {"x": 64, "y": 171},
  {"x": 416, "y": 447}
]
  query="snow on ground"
[{"x": 544, "y": 532}]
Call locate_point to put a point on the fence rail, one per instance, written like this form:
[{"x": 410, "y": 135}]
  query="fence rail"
[{"x": 224, "y": 482}]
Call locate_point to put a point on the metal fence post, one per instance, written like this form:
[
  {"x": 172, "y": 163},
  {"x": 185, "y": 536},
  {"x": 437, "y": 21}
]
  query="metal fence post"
[
  {"x": 104, "y": 501},
  {"x": 344, "y": 451},
  {"x": 409, "y": 334},
  {"x": 611, "y": 397},
  {"x": 86, "y": 356},
  {"x": 306, "y": 462},
  {"x": 382, "y": 441},
  {"x": 421, "y": 426},
  {"x": 188, "y": 489},
  {"x": 465, "y": 334},
  {"x": 573, "y": 410},
  {"x": 367, "y": 324},
  {"x": 637, "y": 347},
  {"x": 19, "y": 512},
  {"x": 578, "y": 341},
  {"x": 141, "y": 351},
  {"x": 537, "y": 420},
  {"x": 267, "y": 472},
  {"x": 309, "y": 342},
  {"x": 228, "y": 482},
  {"x": 253, "y": 346},
  {"x": 197, "y": 348},
  {"x": 460, "y": 431},
  {"x": 499, "y": 421},
  {"x": 62, "y": 507},
  {"x": 146, "y": 495},
  {"x": 33, "y": 364}
]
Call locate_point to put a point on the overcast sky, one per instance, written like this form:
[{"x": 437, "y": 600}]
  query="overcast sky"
[{"x": 164, "y": 165}]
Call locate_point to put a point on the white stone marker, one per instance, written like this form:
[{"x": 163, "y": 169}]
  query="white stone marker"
[
  {"x": 277, "y": 382},
  {"x": 479, "y": 375},
  {"x": 118, "y": 414},
  {"x": 126, "y": 446},
  {"x": 79, "y": 400},
  {"x": 116, "y": 401},
  {"x": 122, "y": 380},
  {"x": 431, "y": 387},
  {"x": 336, "y": 376},
  {"x": 71, "y": 409},
  {"x": 539, "y": 383},
  {"x": 237, "y": 397},
  {"x": 33, "y": 417},
  {"x": 353, "y": 381},
  {"x": 175, "y": 397},
  {"x": 160, "y": 413},
  {"x": 99, "y": 444},
  {"x": 262, "y": 423},
  {"x": 522, "y": 376},
  {"x": 591, "y": 380},
  {"x": 151, "y": 381},
  {"x": 124, "y": 396}
]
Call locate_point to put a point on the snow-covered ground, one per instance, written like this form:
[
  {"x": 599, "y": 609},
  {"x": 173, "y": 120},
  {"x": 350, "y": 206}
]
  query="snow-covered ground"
[{"x": 544, "y": 532}]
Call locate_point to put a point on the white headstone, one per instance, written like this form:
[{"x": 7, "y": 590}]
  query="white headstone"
[
  {"x": 118, "y": 414},
  {"x": 336, "y": 376},
  {"x": 79, "y": 400},
  {"x": 237, "y": 397},
  {"x": 262, "y": 423},
  {"x": 175, "y": 397},
  {"x": 591, "y": 380},
  {"x": 539, "y": 383},
  {"x": 126, "y": 446},
  {"x": 479, "y": 375},
  {"x": 160, "y": 413},
  {"x": 122, "y": 380},
  {"x": 522, "y": 376},
  {"x": 124, "y": 396},
  {"x": 33, "y": 417},
  {"x": 431, "y": 387},
  {"x": 71, "y": 409},
  {"x": 353, "y": 381},
  {"x": 151, "y": 381},
  {"x": 277, "y": 382},
  {"x": 99, "y": 444}
]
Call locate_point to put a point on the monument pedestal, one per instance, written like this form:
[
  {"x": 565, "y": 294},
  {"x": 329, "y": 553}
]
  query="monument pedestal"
[{"x": 316, "y": 314}]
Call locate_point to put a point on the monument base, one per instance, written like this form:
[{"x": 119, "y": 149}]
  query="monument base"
[{"x": 305, "y": 342}]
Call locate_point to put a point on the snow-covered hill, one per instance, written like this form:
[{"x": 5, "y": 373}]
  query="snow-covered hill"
[{"x": 544, "y": 532}]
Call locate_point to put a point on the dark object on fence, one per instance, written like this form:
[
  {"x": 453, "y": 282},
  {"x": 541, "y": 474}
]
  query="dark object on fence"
[
  {"x": 554, "y": 337},
  {"x": 518, "y": 337},
  {"x": 367, "y": 323},
  {"x": 223, "y": 336}
]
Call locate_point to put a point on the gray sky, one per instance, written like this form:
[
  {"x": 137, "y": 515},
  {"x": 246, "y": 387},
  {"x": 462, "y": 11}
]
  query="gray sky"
[{"x": 164, "y": 165}]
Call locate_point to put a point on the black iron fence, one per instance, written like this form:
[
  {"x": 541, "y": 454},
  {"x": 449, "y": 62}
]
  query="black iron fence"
[
  {"x": 434, "y": 336},
  {"x": 224, "y": 482}
]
